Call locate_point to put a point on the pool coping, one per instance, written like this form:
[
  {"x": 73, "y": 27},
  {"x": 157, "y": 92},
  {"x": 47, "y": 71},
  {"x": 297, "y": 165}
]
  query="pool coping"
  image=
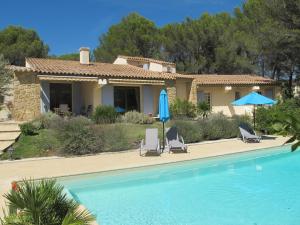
[{"x": 160, "y": 164}]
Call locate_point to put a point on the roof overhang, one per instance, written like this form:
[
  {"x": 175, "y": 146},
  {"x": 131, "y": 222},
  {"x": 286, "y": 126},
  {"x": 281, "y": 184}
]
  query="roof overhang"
[
  {"x": 136, "y": 82},
  {"x": 99, "y": 80},
  {"x": 67, "y": 78}
]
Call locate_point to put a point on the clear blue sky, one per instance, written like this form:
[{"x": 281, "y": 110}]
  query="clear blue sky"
[{"x": 66, "y": 25}]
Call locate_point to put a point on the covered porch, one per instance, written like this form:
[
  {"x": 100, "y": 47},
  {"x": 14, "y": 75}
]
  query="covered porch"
[
  {"x": 77, "y": 96},
  {"x": 82, "y": 95}
]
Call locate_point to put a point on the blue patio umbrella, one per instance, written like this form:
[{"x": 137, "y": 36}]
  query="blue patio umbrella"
[
  {"x": 164, "y": 114},
  {"x": 254, "y": 99}
]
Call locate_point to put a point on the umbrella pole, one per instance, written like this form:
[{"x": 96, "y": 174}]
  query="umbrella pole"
[
  {"x": 163, "y": 147},
  {"x": 254, "y": 117}
]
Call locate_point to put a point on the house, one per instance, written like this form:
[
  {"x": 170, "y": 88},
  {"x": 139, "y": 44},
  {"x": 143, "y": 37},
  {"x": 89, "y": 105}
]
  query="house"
[{"x": 130, "y": 83}]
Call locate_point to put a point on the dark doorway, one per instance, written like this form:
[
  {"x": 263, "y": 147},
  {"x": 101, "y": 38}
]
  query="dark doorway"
[
  {"x": 127, "y": 98},
  {"x": 60, "y": 94}
]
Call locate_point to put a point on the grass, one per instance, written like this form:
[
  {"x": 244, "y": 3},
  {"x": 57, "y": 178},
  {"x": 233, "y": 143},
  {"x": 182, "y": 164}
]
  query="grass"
[
  {"x": 45, "y": 142},
  {"x": 42, "y": 144}
]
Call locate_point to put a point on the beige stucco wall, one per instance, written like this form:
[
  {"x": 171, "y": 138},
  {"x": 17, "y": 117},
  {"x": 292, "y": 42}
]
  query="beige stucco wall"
[
  {"x": 221, "y": 99},
  {"x": 91, "y": 94},
  {"x": 26, "y": 94},
  {"x": 155, "y": 67},
  {"x": 120, "y": 61},
  {"x": 183, "y": 87}
]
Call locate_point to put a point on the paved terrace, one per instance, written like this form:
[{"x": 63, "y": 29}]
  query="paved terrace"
[{"x": 58, "y": 166}]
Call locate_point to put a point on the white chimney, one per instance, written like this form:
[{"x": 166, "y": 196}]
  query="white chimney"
[{"x": 84, "y": 55}]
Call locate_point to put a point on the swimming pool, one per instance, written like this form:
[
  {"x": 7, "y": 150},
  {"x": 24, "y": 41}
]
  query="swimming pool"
[{"x": 255, "y": 188}]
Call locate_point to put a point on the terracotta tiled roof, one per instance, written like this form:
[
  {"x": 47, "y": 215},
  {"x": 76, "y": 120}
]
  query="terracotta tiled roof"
[
  {"x": 68, "y": 67},
  {"x": 147, "y": 60},
  {"x": 232, "y": 80}
]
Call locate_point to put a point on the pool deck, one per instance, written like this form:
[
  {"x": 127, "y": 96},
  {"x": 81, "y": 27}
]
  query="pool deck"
[{"x": 59, "y": 166}]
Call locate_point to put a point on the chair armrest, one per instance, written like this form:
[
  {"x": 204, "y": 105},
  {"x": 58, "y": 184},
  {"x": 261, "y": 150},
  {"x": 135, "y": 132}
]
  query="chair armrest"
[
  {"x": 141, "y": 146},
  {"x": 158, "y": 145},
  {"x": 181, "y": 138}
]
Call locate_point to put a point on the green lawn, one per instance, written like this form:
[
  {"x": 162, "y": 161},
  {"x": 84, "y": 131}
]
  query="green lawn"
[
  {"x": 42, "y": 144},
  {"x": 45, "y": 142}
]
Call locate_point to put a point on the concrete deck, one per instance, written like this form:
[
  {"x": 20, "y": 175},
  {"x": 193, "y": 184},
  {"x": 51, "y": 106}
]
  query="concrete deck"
[{"x": 53, "y": 167}]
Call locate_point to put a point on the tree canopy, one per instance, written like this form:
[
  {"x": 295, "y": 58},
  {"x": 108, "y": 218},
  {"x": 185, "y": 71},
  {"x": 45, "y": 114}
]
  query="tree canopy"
[
  {"x": 70, "y": 56},
  {"x": 133, "y": 36},
  {"x": 261, "y": 37},
  {"x": 5, "y": 77},
  {"x": 16, "y": 43}
]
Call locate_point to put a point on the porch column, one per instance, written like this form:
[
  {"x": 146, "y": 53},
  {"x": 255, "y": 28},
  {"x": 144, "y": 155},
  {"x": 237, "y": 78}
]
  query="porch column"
[
  {"x": 171, "y": 90},
  {"x": 193, "y": 93},
  {"x": 45, "y": 96},
  {"x": 148, "y": 99}
]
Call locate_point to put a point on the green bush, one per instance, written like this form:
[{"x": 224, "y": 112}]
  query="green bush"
[
  {"x": 30, "y": 128},
  {"x": 218, "y": 126},
  {"x": 182, "y": 109},
  {"x": 47, "y": 119},
  {"x": 203, "y": 109},
  {"x": 104, "y": 114},
  {"x": 189, "y": 130},
  {"x": 114, "y": 137},
  {"x": 267, "y": 116},
  {"x": 78, "y": 138},
  {"x": 137, "y": 118}
]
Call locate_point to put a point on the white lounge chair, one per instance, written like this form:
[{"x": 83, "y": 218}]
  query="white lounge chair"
[
  {"x": 174, "y": 141},
  {"x": 248, "y": 137},
  {"x": 151, "y": 142}
]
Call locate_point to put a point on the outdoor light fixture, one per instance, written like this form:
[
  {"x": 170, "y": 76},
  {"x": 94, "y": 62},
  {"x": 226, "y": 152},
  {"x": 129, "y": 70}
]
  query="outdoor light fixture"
[
  {"x": 102, "y": 82},
  {"x": 10, "y": 151},
  {"x": 228, "y": 88},
  {"x": 255, "y": 88}
]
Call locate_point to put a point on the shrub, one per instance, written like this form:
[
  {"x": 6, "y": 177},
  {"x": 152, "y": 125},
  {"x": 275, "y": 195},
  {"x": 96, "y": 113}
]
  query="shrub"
[
  {"x": 218, "y": 126},
  {"x": 137, "y": 118},
  {"x": 189, "y": 130},
  {"x": 30, "y": 128},
  {"x": 78, "y": 138},
  {"x": 182, "y": 109},
  {"x": 46, "y": 119},
  {"x": 114, "y": 137},
  {"x": 267, "y": 116},
  {"x": 105, "y": 114},
  {"x": 203, "y": 109}
]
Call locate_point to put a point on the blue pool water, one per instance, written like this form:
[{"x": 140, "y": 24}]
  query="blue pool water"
[{"x": 257, "y": 188}]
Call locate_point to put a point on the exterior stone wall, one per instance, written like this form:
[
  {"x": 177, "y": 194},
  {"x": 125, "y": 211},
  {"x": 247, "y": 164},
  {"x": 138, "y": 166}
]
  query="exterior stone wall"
[
  {"x": 171, "y": 90},
  {"x": 26, "y": 93}
]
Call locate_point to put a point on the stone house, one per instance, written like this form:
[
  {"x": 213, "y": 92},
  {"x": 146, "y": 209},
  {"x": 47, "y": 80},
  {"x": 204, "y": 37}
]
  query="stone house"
[{"x": 130, "y": 83}]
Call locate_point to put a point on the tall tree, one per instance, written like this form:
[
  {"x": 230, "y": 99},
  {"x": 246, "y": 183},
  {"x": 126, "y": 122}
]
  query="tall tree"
[
  {"x": 5, "y": 77},
  {"x": 274, "y": 26},
  {"x": 16, "y": 43},
  {"x": 133, "y": 36},
  {"x": 201, "y": 45},
  {"x": 70, "y": 56}
]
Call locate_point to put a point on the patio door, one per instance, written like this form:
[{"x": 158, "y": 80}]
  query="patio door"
[
  {"x": 60, "y": 94},
  {"x": 127, "y": 98}
]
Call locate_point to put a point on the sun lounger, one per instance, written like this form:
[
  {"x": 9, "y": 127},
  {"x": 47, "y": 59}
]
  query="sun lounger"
[
  {"x": 248, "y": 137},
  {"x": 174, "y": 141},
  {"x": 151, "y": 142}
]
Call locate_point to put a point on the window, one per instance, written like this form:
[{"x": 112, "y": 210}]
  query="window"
[
  {"x": 269, "y": 93},
  {"x": 204, "y": 97},
  {"x": 237, "y": 95},
  {"x": 127, "y": 98},
  {"x": 60, "y": 94}
]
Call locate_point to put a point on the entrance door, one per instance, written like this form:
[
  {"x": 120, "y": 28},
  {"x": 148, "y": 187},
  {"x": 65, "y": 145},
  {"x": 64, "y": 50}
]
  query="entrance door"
[
  {"x": 127, "y": 98},
  {"x": 60, "y": 94}
]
